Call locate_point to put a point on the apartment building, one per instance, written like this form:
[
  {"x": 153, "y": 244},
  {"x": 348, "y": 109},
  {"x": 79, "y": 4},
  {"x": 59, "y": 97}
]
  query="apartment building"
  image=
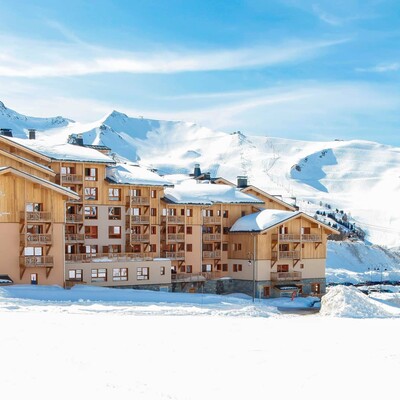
[{"x": 70, "y": 214}]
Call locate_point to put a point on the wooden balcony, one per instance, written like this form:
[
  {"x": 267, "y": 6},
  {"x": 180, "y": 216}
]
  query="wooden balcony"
[
  {"x": 32, "y": 239},
  {"x": 212, "y": 254},
  {"x": 109, "y": 257},
  {"x": 132, "y": 201},
  {"x": 74, "y": 218},
  {"x": 74, "y": 238},
  {"x": 212, "y": 220},
  {"x": 139, "y": 219},
  {"x": 174, "y": 219},
  {"x": 35, "y": 216},
  {"x": 71, "y": 178},
  {"x": 139, "y": 238},
  {"x": 286, "y": 255},
  {"x": 286, "y": 276},
  {"x": 36, "y": 261},
  {"x": 212, "y": 237},
  {"x": 176, "y": 237},
  {"x": 311, "y": 238},
  {"x": 175, "y": 255},
  {"x": 286, "y": 237}
]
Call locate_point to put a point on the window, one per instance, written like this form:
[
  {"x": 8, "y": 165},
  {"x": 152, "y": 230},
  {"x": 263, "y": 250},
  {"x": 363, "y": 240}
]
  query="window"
[
  {"x": 67, "y": 170},
  {"x": 189, "y": 247},
  {"x": 114, "y": 232},
  {"x": 162, "y": 270},
  {"x": 225, "y": 267},
  {"x": 225, "y": 214},
  {"x": 239, "y": 267},
  {"x": 301, "y": 266},
  {"x": 266, "y": 291},
  {"x": 152, "y": 248},
  {"x": 315, "y": 288},
  {"x": 189, "y": 230},
  {"x": 182, "y": 269},
  {"x": 114, "y": 194},
  {"x": 283, "y": 247},
  {"x": 225, "y": 230},
  {"x": 189, "y": 269},
  {"x": 91, "y": 232},
  {"x": 75, "y": 275},
  {"x": 235, "y": 268},
  {"x": 90, "y": 193},
  {"x": 120, "y": 274},
  {"x": 224, "y": 246},
  {"x": 90, "y": 212},
  {"x": 154, "y": 230},
  {"x": 114, "y": 213},
  {"x": 91, "y": 249},
  {"x": 153, "y": 194},
  {"x": 189, "y": 212},
  {"x": 99, "y": 275},
  {"x": 218, "y": 267},
  {"x": 283, "y": 230},
  {"x": 142, "y": 273},
  {"x": 90, "y": 174},
  {"x": 153, "y": 212},
  {"x": 237, "y": 246},
  {"x": 182, "y": 212},
  {"x": 283, "y": 268},
  {"x": 135, "y": 192},
  {"x": 305, "y": 230},
  {"x": 243, "y": 213}
]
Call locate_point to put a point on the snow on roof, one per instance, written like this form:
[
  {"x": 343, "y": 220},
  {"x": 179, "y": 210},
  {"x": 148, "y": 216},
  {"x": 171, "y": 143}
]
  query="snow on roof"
[
  {"x": 129, "y": 174},
  {"x": 63, "y": 151},
  {"x": 262, "y": 220},
  {"x": 191, "y": 192}
]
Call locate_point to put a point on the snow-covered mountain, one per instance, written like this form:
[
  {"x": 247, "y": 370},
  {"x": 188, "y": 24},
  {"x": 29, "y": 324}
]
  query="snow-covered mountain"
[{"x": 359, "y": 177}]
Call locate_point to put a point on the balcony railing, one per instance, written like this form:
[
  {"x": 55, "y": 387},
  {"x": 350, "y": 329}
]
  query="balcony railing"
[
  {"x": 311, "y": 238},
  {"x": 74, "y": 218},
  {"x": 173, "y": 219},
  {"x": 287, "y": 237},
  {"x": 36, "y": 261},
  {"x": 285, "y": 276},
  {"x": 109, "y": 257},
  {"x": 211, "y": 237},
  {"x": 212, "y": 220},
  {"x": 137, "y": 201},
  {"x": 36, "y": 216},
  {"x": 37, "y": 238},
  {"x": 74, "y": 237},
  {"x": 175, "y": 255},
  {"x": 212, "y": 254},
  {"x": 139, "y": 219},
  {"x": 290, "y": 255},
  {"x": 139, "y": 238},
  {"x": 176, "y": 237},
  {"x": 71, "y": 178}
]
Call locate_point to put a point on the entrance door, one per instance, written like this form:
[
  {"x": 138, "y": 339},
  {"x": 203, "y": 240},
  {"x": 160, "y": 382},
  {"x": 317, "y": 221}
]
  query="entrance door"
[{"x": 34, "y": 279}]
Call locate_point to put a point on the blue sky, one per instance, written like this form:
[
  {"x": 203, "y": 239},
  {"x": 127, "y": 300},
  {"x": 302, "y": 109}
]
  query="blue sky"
[{"x": 312, "y": 70}]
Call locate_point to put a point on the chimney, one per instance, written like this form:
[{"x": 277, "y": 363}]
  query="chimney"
[
  {"x": 75, "y": 139},
  {"x": 197, "y": 171},
  {"x": 6, "y": 132},
  {"x": 79, "y": 140},
  {"x": 32, "y": 134},
  {"x": 242, "y": 182}
]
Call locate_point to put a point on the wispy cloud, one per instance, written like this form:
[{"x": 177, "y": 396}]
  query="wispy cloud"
[
  {"x": 33, "y": 59},
  {"x": 381, "y": 68}
]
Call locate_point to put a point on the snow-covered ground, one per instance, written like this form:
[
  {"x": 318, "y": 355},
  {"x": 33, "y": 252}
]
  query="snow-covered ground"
[{"x": 104, "y": 343}]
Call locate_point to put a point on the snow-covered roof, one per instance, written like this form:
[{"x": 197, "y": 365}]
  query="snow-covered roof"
[
  {"x": 193, "y": 192},
  {"x": 128, "y": 174},
  {"x": 63, "y": 151},
  {"x": 262, "y": 220}
]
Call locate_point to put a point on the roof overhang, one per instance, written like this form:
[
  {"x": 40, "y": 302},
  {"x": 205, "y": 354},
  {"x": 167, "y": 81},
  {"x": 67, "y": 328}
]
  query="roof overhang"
[
  {"x": 24, "y": 148},
  {"x": 269, "y": 196}
]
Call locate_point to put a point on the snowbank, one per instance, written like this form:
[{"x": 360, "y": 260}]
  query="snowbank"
[{"x": 349, "y": 302}]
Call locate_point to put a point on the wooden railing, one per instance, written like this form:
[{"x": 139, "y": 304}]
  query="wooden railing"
[
  {"x": 202, "y": 276},
  {"x": 139, "y": 219},
  {"x": 286, "y": 276},
  {"x": 291, "y": 255},
  {"x": 176, "y": 237},
  {"x": 137, "y": 201},
  {"x": 74, "y": 237},
  {"x": 36, "y": 261},
  {"x": 109, "y": 257},
  {"x": 175, "y": 255},
  {"x": 36, "y": 238},
  {"x": 71, "y": 178},
  {"x": 212, "y": 254},
  {"x": 74, "y": 218},
  {"x": 212, "y": 220},
  {"x": 139, "y": 238},
  {"x": 36, "y": 216},
  {"x": 311, "y": 238},
  {"x": 211, "y": 237},
  {"x": 287, "y": 237},
  {"x": 174, "y": 219}
]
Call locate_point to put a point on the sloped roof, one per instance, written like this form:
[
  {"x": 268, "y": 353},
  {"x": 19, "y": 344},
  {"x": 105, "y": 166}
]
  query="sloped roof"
[
  {"x": 128, "y": 174},
  {"x": 267, "y": 219},
  {"x": 192, "y": 192}
]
